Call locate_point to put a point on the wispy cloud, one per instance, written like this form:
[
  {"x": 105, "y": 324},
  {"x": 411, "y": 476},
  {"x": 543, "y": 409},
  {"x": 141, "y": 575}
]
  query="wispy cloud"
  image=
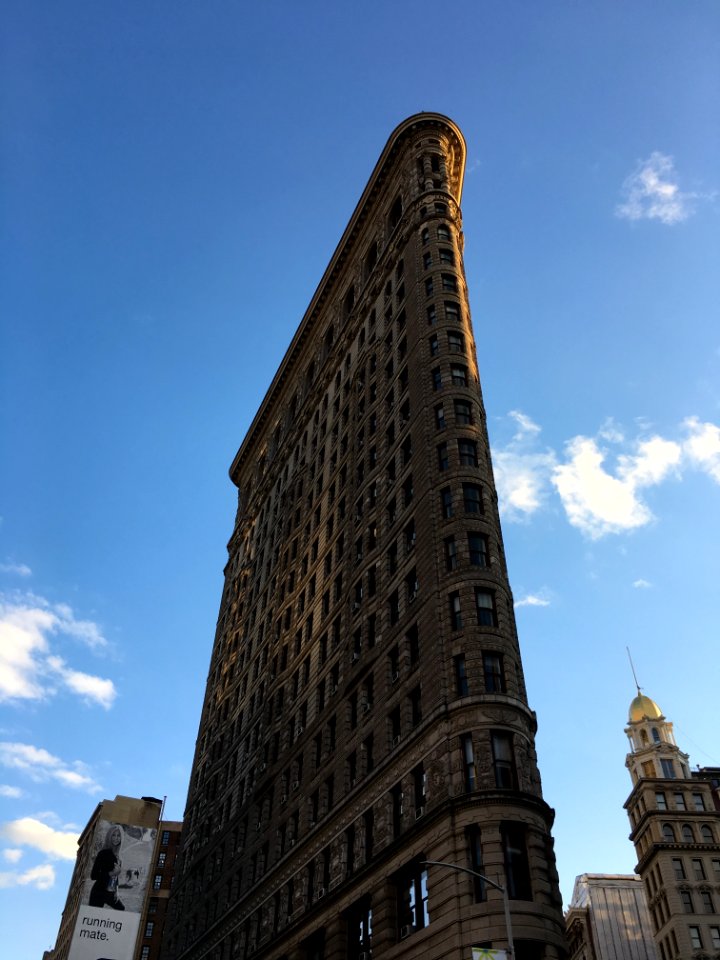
[
  {"x": 12, "y": 793},
  {"x": 652, "y": 192},
  {"x": 29, "y": 670},
  {"x": 41, "y": 765},
  {"x": 521, "y": 472},
  {"x": 20, "y": 569},
  {"x": 602, "y": 481},
  {"x": 532, "y": 600},
  {"x": 642, "y": 584},
  {"x": 12, "y": 855},
  {"x": 41, "y": 877}
]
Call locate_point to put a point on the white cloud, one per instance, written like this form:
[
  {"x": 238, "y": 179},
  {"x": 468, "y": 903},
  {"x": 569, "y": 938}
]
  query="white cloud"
[
  {"x": 651, "y": 192},
  {"x": 521, "y": 473},
  {"x": 12, "y": 855},
  {"x": 41, "y": 877},
  {"x": 598, "y": 503},
  {"x": 12, "y": 793},
  {"x": 20, "y": 569},
  {"x": 30, "y": 832},
  {"x": 28, "y": 670},
  {"x": 601, "y": 480},
  {"x": 642, "y": 584},
  {"x": 41, "y": 765},
  {"x": 532, "y": 600},
  {"x": 702, "y": 447},
  {"x": 89, "y": 687}
]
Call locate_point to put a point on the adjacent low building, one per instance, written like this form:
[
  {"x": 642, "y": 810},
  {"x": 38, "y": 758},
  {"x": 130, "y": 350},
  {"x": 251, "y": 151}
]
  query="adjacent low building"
[{"x": 608, "y": 919}]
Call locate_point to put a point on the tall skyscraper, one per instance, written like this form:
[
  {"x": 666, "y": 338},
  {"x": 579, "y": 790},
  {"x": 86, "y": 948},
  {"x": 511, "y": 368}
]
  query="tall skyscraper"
[
  {"x": 365, "y": 710},
  {"x": 675, "y": 818}
]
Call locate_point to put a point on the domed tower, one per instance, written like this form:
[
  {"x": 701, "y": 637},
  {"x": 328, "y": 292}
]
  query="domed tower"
[{"x": 675, "y": 830}]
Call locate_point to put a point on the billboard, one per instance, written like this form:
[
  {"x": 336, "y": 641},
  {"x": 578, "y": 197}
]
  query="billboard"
[
  {"x": 113, "y": 892},
  {"x": 482, "y": 953}
]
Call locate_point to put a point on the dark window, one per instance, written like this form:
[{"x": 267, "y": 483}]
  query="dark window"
[
  {"x": 661, "y": 801},
  {"x": 467, "y": 450},
  {"x": 452, "y": 311},
  {"x": 456, "y": 620},
  {"x": 359, "y": 926},
  {"x": 429, "y": 286},
  {"x": 478, "y": 549},
  {"x": 517, "y": 868},
  {"x": 466, "y": 745},
  {"x": 447, "y": 256},
  {"x": 476, "y": 861},
  {"x": 456, "y": 342},
  {"x": 450, "y": 553},
  {"x": 458, "y": 375},
  {"x": 503, "y": 761},
  {"x": 668, "y": 769},
  {"x": 412, "y": 900},
  {"x": 437, "y": 379},
  {"x": 668, "y": 833},
  {"x": 688, "y": 834},
  {"x": 434, "y": 346},
  {"x": 439, "y": 417},
  {"x": 472, "y": 498},
  {"x": 485, "y": 605},
  {"x": 449, "y": 282},
  {"x": 442, "y": 454},
  {"x": 431, "y": 315},
  {"x": 687, "y": 901},
  {"x": 463, "y": 413},
  {"x": 446, "y": 503},
  {"x": 493, "y": 673},
  {"x": 461, "y": 677},
  {"x": 678, "y": 868}
]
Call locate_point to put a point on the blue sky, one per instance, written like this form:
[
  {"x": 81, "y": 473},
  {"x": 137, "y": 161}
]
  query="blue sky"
[{"x": 175, "y": 179}]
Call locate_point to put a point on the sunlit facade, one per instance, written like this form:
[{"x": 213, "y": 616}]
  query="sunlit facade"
[{"x": 365, "y": 709}]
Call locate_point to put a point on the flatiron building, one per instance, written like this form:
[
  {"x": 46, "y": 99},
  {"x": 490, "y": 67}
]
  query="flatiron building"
[{"x": 365, "y": 709}]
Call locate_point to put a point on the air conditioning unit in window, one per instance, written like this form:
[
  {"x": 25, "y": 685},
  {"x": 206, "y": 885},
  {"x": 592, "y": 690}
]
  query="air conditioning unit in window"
[
  {"x": 356, "y": 606},
  {"x": 355, "y": 657},
  {"x": 396, "y": 740},
  {"x": 396, "y": 676},
  {"x": 283, "y": 799},
  {"x": 406, "y": 931},
  {"x": 291, "y": 842},
  {"x": 419, "y": 812},
  {"x": 365, "y": 707},
  {"x": 321, "y": 893},
  {"x": 296, "y": 785}
]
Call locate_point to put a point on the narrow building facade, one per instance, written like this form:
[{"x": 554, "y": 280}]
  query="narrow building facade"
[{"x": 365, "y": 709}]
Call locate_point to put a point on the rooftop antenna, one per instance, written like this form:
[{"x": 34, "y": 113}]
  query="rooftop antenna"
[{"x": 632, "y": 667}]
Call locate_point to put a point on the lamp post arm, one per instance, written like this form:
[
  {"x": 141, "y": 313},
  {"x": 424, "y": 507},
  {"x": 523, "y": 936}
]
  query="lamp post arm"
[{"x": 497, "y": 886}]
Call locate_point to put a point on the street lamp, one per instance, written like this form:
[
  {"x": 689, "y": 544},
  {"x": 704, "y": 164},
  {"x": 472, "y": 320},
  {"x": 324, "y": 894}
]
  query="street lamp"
[{"x": 503, "y": 891}]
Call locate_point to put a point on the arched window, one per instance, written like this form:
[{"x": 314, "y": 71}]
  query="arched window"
[
  {"x": 656, "y": 734},
  {"x": 643, "y": 736},
  {"x": 668, "y": 833},
  {"x": 707, "y": 834},
  {"x": 688, "y": 834}
]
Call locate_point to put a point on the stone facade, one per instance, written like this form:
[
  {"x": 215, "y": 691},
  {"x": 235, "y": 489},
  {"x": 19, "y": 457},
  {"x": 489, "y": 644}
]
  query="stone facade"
[
  {"x": 675, "y": 818},
  {"x": 365, "y": 708},
  {"x": 608, "y": 919}
]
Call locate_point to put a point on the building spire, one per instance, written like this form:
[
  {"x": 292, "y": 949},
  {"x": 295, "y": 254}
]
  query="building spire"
[{"x": 632, "y": 667}]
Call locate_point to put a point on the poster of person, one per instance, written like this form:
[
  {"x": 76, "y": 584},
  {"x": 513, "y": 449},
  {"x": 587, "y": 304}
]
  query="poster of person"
[{"x": 113, "y": 892}]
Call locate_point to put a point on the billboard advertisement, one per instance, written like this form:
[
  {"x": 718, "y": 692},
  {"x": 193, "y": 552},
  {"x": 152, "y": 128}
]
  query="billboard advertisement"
[{"x": 113, "y": 892}]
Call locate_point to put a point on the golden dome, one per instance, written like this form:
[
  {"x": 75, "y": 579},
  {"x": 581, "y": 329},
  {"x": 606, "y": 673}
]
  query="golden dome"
[{"x": 643, "y": 708}]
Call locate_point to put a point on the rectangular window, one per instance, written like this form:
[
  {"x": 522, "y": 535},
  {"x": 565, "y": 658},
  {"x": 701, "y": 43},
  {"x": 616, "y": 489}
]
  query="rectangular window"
[
  {"x": 431, "y": 315},
  {"x": 485, "y": 605},
  {"x": 687, "y": 901},
  {"x": 458, "y": 376},
  {"x": 698, "y": 802},
  {"x": 698, "y": 868},
  {"x": 467, "y": 451},
  {"x": 475, "y": 858},
  {"x": 660, "y": 801},
  {"x": 461, "y": 678},
  {"x": 695, "y": 938},
  {"x": 707, "y": 901},
  {"x": 446, "y": 504},
  {"x": 450, "y": 554},
  {"x": 679, "y": 801},
  {"x": 447, "y": 256},
  {"x": 456, "y": 620},
  {"x": 478, "y": 549},
  {"x": 668, "y": 769},
  {"x": 472, "y": 498},
  {"x": 429, "y": 287},
  {"x": 165, "y": 838},
  {"x": 678, "y": 868},
  {"x": 149, "y": 927},
  {"x": 412, "y": 901},
  {"x": 427, "y": 260},
  {"x": 468, "y": 756},
  {"x": 456, "y": 342},
  {"x": 493, "y": 673},
  {"x": 715, "y": 937},
  {"x": 436, "y": 378},
  {"x": 439, "y": 417},
  {"x": 452, "y": 311},
  {"x": 442, "y": 455},
  {"x": 449, "y": 282},
  {"x": 517, "y": 867},
  {"x": 157, "y": 881},
  {"x": 463, "y": 413},
  {"x": 503, "y": 761}
]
